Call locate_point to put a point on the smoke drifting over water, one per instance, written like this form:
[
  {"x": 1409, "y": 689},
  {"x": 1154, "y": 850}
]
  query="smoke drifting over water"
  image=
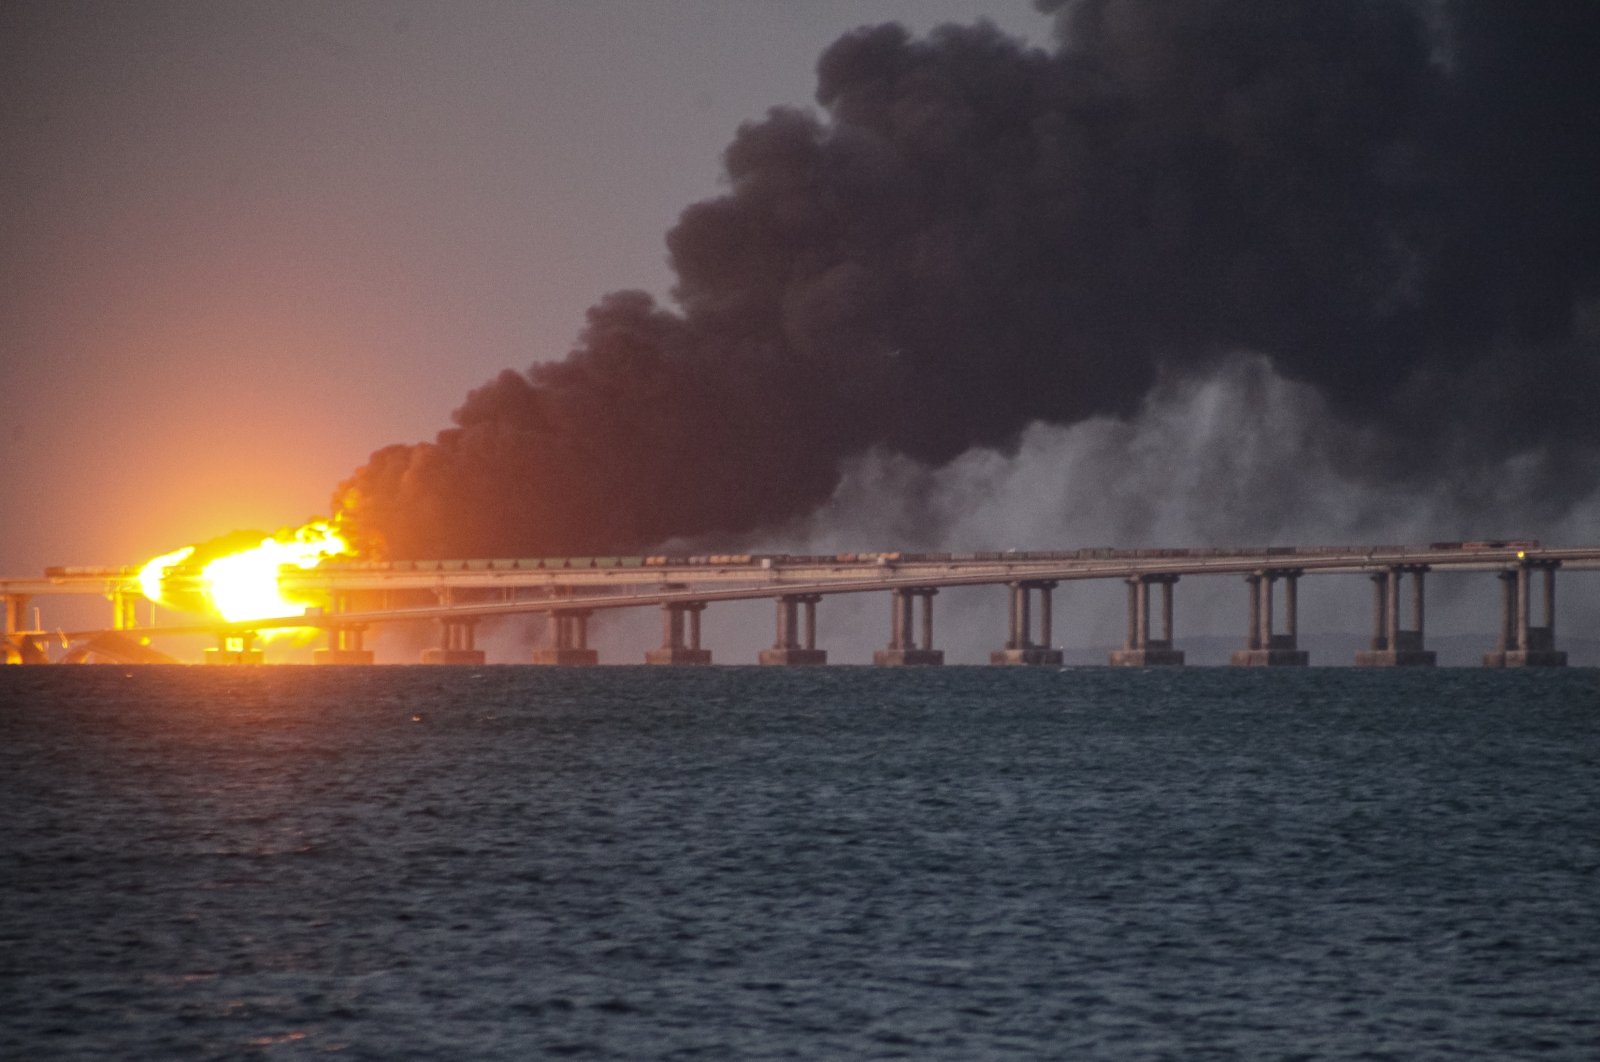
[{"x": 1362, "y": 235}]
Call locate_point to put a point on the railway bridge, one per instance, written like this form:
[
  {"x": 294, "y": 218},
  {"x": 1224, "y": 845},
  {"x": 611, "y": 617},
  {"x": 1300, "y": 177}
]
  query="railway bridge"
[{"x": 458, "y": 595}]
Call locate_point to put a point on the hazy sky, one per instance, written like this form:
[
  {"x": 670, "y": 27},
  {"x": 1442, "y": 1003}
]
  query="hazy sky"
[{"x": 245, "y": 244}]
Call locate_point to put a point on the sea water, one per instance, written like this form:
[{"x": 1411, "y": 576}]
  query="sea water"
[{"x": 741, "y": 863}]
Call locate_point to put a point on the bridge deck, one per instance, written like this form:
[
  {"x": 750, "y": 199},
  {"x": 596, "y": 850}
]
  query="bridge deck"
[{"x": 610, "y": 583}]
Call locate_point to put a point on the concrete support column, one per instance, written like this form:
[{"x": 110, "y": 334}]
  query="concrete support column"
[
  {"x": 694, "y": 611},
  {"x": 1523, "y": 608},
  {"x": 16, "y": 613},
  {"x": 1166, "y": 609},
  {"x": 1550, "y": 599},
  {"x": 1417, "y": 604},
  {"x": 904, "y": 649},
  {"x": 1021, "y": 629},
  {"x": 1266, "y": 649},
  {"x": 1380, "y": 611},
  {"x": 785, "y": 623},
  {"x": 569, "y": 640},
  {"x": 796, "y": 641},
  {"x": 903, "y": 609},
  {"x": 1024, "y": 620},
  {"x": 1291, "y": 608},
  {"x": 1392, "y": 608},
  {"x": 1264, "y": 636},
  {"x": 1521, "y": 643},
  {"x": 1141, "y": 617},
  {"x": 124, "y": 610},
  {"x": 926, "y": 644},
  {"x": 15, "y": 649},
  {"x": 1392, "y": 644},
  {"x": 1508, "y": 611},
  {"x": 1142, "y": 650},
  {"x": 18, "y": 650},
  {"x": 1020, "y": 646},
  {"x": 1253, "y": 582},
  {"x": 577, "y": 629},
  {"x": 457, "y": 644},
  {"x": 680, "y": 636},
  {"x": 344, "y": 642}
]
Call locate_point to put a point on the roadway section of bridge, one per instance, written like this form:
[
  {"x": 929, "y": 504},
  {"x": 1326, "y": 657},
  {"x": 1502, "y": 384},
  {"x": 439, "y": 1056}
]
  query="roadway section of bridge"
[{"x": 458, "y": 595}]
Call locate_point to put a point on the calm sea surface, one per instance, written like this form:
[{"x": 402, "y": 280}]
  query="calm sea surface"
[{"x": 730, "y": 863}]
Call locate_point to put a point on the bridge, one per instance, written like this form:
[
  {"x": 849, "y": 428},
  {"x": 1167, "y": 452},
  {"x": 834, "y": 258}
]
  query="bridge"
[{"x": 458, "y": 595}]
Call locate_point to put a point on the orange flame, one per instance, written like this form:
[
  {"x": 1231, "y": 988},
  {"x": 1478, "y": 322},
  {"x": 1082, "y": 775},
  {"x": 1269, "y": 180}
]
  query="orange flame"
[{"x": 243, "y": 584}]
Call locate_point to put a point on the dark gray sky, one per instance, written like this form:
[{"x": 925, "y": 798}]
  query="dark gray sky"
[{"x": 247, "y": 244}]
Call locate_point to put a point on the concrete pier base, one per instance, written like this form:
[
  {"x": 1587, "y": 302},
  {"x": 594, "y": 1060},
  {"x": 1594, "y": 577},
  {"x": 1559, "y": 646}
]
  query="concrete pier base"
[
  {"x": 1154, "y": 656},
  {"x": 680, "y": 636},
  {"x": 792, "y": 657},
  {"x": 1033, "y": 656},
  {"x": 908, "y": 657},
  {"x": 678, "y": 656},
  {"x": 906, "y": 647},
  {"x": 796, "y": 644},
  {"x": 345, "y": 643},
  {"x": 1271, "y": 658},
  {"x": 1521, "y": 643},
  {"x": 566, "y": 656},
  {"x": 234, "y": 657},
  {"x": 1139, "y": 649},
  {"x": 341, "y": 656},
  {"x": 1396, "y": 658},
  {"x": 1266, "y": 648},
  {"x": 569, "y": 641},
  {"x": 1021, "y": 649},
  {"x": 469, "y": 657},
  {"x": 1526, "y": 658},
  {"x": 1393, "y": 645}
]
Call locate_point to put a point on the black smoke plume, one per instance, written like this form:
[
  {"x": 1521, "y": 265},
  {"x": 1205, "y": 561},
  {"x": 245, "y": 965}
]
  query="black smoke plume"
[{"x": 1393, "y": 201}]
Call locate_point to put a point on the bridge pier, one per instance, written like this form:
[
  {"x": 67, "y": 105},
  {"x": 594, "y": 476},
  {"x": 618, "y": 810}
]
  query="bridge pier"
[
  {"x": 344, "y": 642},
  {"x": 1266, "y": 648},
  {"x": 905, "y": 650},
  {"x": 235, "y": 650},
  {"x": 1020, "y": 647},
  {"x": 569, "y": 637},
  {"x": 1393, "y": 646},
  {"x": 17, "y": 648},
  {"x": 1139, "y": 649},
  {"x": 344, "y": 646},
  {"x": 124, "y": 610},
  {"x": 677, "y": 646},
  {"x": 1521, "y": 643},
  {"x": 457, "y": 644},
  {"x": 796, "y": 645}
]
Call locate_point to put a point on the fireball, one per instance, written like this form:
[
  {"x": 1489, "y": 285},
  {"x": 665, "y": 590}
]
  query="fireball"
[
  {"x": 237, "y": 582},
  {"x": 156, "y": 569}
]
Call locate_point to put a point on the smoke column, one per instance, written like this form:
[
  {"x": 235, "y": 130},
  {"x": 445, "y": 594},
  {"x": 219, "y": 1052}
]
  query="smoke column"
[{"x": 1389, "y": 204}]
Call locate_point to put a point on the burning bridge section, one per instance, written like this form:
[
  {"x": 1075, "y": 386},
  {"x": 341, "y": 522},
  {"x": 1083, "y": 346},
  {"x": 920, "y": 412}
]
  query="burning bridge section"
[{"x": 305, "y": 585}]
